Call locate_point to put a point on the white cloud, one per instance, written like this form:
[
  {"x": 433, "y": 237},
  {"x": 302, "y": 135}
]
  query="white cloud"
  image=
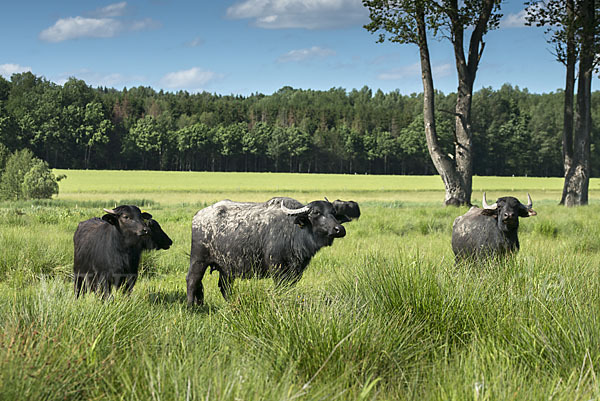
[
  {"x": 141, "y": 25},
  {"x": 414, "y": 70},
  {"x": 101, "y": 24},
  {"x": 195, "y": 78},
  {"x": 111, "y": 10},
  {"x": 305, "y": 54},
  {"x": 7, "y": 70},
  {"x": 80, "y": 27},
  {"x": 308, "y": 14},
  {"x": 514, "y": 20}
]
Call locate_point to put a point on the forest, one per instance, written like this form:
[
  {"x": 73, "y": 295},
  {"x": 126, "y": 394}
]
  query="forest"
[{"x": 358, "y": 131}]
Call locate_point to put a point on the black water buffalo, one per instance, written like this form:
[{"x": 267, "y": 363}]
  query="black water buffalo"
[
  {"x": 490, "y": 231},
  {"x": 107, "y": 250},
  {"x": 275, "y": 239}
]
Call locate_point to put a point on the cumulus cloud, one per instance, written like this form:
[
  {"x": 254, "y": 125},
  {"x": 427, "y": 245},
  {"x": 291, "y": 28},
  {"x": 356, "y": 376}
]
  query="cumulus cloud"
[
  {"x": 516, "y": 20},
  {"x": 305, "y": 54},
  {"x": 6, "y": 70},
  {"x": 307, "y": 14},
  {"x": 111, "y": 10},
  {"x": 194, "y": 79},
  {"x": 80, "y": 27},
  {"x": 414, "y": 70},
  {"x": 101, "y": 24}
]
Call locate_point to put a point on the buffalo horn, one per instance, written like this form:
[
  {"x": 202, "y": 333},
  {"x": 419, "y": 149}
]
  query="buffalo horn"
[
  {"x": 293, "y": 212},
  {"x": 327, "y": 199},
  {"x": 529, "y": 202},
  {"x": 110, "y": 211},
  {"x": 485, "y": 204}
]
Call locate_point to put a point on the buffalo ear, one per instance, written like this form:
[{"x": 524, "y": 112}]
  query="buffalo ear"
[
  {"x": 489, "y": 212},
  {"x": 524, "y": 212},
  {"x": 146, "y": 216},
  {"x": 301, "y": 220},
  {"x": 111, "y": 219}
]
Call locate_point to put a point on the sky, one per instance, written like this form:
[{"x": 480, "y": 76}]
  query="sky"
[{"x": 243, "y": 47}]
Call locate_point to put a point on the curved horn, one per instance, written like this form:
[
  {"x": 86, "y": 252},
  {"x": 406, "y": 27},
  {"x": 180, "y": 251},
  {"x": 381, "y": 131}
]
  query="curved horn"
[
  {"x": 485, "y": 204},
  {"x": 327, "y": 199},
  {"x": 293, "y": 212},
  {"x": 109, "y": 211},
  {"x": 529, "y": 202}
]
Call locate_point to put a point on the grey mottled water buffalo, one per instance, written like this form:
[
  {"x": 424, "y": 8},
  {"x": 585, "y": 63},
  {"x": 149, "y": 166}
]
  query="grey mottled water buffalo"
[
  {"x": 490, "y": 231},
  {"x": 275, "y": 239},
  {"x": 107, "y": 250}
]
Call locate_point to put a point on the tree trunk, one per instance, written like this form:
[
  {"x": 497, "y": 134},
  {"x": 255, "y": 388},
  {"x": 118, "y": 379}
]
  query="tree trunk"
[
  {"x": 567, "y": 137},
  {"x": 455, "y": 191},
  {"x": 577, "y": 178}
]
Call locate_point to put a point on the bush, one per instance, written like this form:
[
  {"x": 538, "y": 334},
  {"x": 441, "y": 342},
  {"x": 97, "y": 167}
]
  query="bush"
[
  {"x": 27, "y": 177},
  {"x": 39, "y": 182},
  {"x": 17, "y": 165}
]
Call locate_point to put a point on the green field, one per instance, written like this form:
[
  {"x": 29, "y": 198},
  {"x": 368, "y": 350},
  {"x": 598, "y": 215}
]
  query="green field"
[
  {"x": 168, "y": 187},
  {"x": 383, "y": 314}
]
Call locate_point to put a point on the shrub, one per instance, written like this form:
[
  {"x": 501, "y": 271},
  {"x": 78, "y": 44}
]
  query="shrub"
[
  {"x": 17, "y": 165},
  {"x": 27, "y": 177},
  {"x": 39, "y": 182}
]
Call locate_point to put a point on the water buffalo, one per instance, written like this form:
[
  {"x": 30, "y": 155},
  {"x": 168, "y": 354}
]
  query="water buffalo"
[
  {"x": 275, "y": 239},
  {"x": 107, "y": 250},
  {"x": 490, "y": 231}
]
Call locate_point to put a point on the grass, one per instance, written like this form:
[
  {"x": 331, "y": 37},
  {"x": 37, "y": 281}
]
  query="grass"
[{"x": 383, "y": 314}]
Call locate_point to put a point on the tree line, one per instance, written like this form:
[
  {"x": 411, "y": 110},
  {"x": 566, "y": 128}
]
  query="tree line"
[{"x": 293, "y": 130}]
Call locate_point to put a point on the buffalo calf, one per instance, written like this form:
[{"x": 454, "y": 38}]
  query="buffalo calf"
[{"x": 107, "y": 250}]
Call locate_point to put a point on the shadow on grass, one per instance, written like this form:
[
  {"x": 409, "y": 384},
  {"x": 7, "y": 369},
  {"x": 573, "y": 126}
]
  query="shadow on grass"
[{"x": 175, "y": 297}]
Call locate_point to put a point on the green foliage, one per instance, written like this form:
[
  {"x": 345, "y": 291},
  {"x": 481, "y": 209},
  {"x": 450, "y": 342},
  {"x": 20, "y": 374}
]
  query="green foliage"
[
  {"x": 342, "y": 131},
  {"x": 17, "y": 165},
  {"x": 4, "y": 155},
  {"x": 39, "y": 182},
  {"x": 26, "y": 177}
]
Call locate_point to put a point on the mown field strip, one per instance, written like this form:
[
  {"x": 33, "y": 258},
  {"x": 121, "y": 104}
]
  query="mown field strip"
[{"x": 194, "y": 187}]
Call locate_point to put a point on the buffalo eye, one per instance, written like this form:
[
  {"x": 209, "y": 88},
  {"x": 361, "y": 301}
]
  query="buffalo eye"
[{"x": 125, "y": 217}]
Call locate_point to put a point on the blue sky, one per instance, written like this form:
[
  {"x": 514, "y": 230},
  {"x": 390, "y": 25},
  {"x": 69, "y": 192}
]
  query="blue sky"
[{"x": 249, "y": 46}]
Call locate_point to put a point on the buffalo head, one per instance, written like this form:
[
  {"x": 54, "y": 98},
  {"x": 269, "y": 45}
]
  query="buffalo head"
[{"x": 507, "y": 211}]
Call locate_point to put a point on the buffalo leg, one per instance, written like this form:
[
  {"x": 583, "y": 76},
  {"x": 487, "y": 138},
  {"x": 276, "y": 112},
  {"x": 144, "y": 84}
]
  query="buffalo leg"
[
  {"x": 195, "y": 289},
  {"x": 130, "y": 282},
  {"x": 105, "y": 286},
  {"x": 225, "y": 284},
  {"x": 78, "y": 283},
  {"x": 126, "y": 282}
]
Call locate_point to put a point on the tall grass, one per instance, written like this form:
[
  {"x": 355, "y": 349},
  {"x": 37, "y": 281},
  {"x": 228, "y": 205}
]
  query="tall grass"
[{"x": 383, "y": 314}]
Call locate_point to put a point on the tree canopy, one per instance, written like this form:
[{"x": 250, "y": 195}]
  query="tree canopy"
[{"x": 333, "y": 131}]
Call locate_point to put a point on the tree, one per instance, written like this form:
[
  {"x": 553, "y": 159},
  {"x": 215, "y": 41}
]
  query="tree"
[
  {"x": 39, "y": 182},
  {"x": 151, "y": 136},
  {"x": 573, "y": 26},
  {"x": 193, "y": 142},
  {"x": 17, "y": 165},
  {"x": 410, "y": 21}
]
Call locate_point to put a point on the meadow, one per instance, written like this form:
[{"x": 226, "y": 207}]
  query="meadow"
[{"x": 383, "y": 314}]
